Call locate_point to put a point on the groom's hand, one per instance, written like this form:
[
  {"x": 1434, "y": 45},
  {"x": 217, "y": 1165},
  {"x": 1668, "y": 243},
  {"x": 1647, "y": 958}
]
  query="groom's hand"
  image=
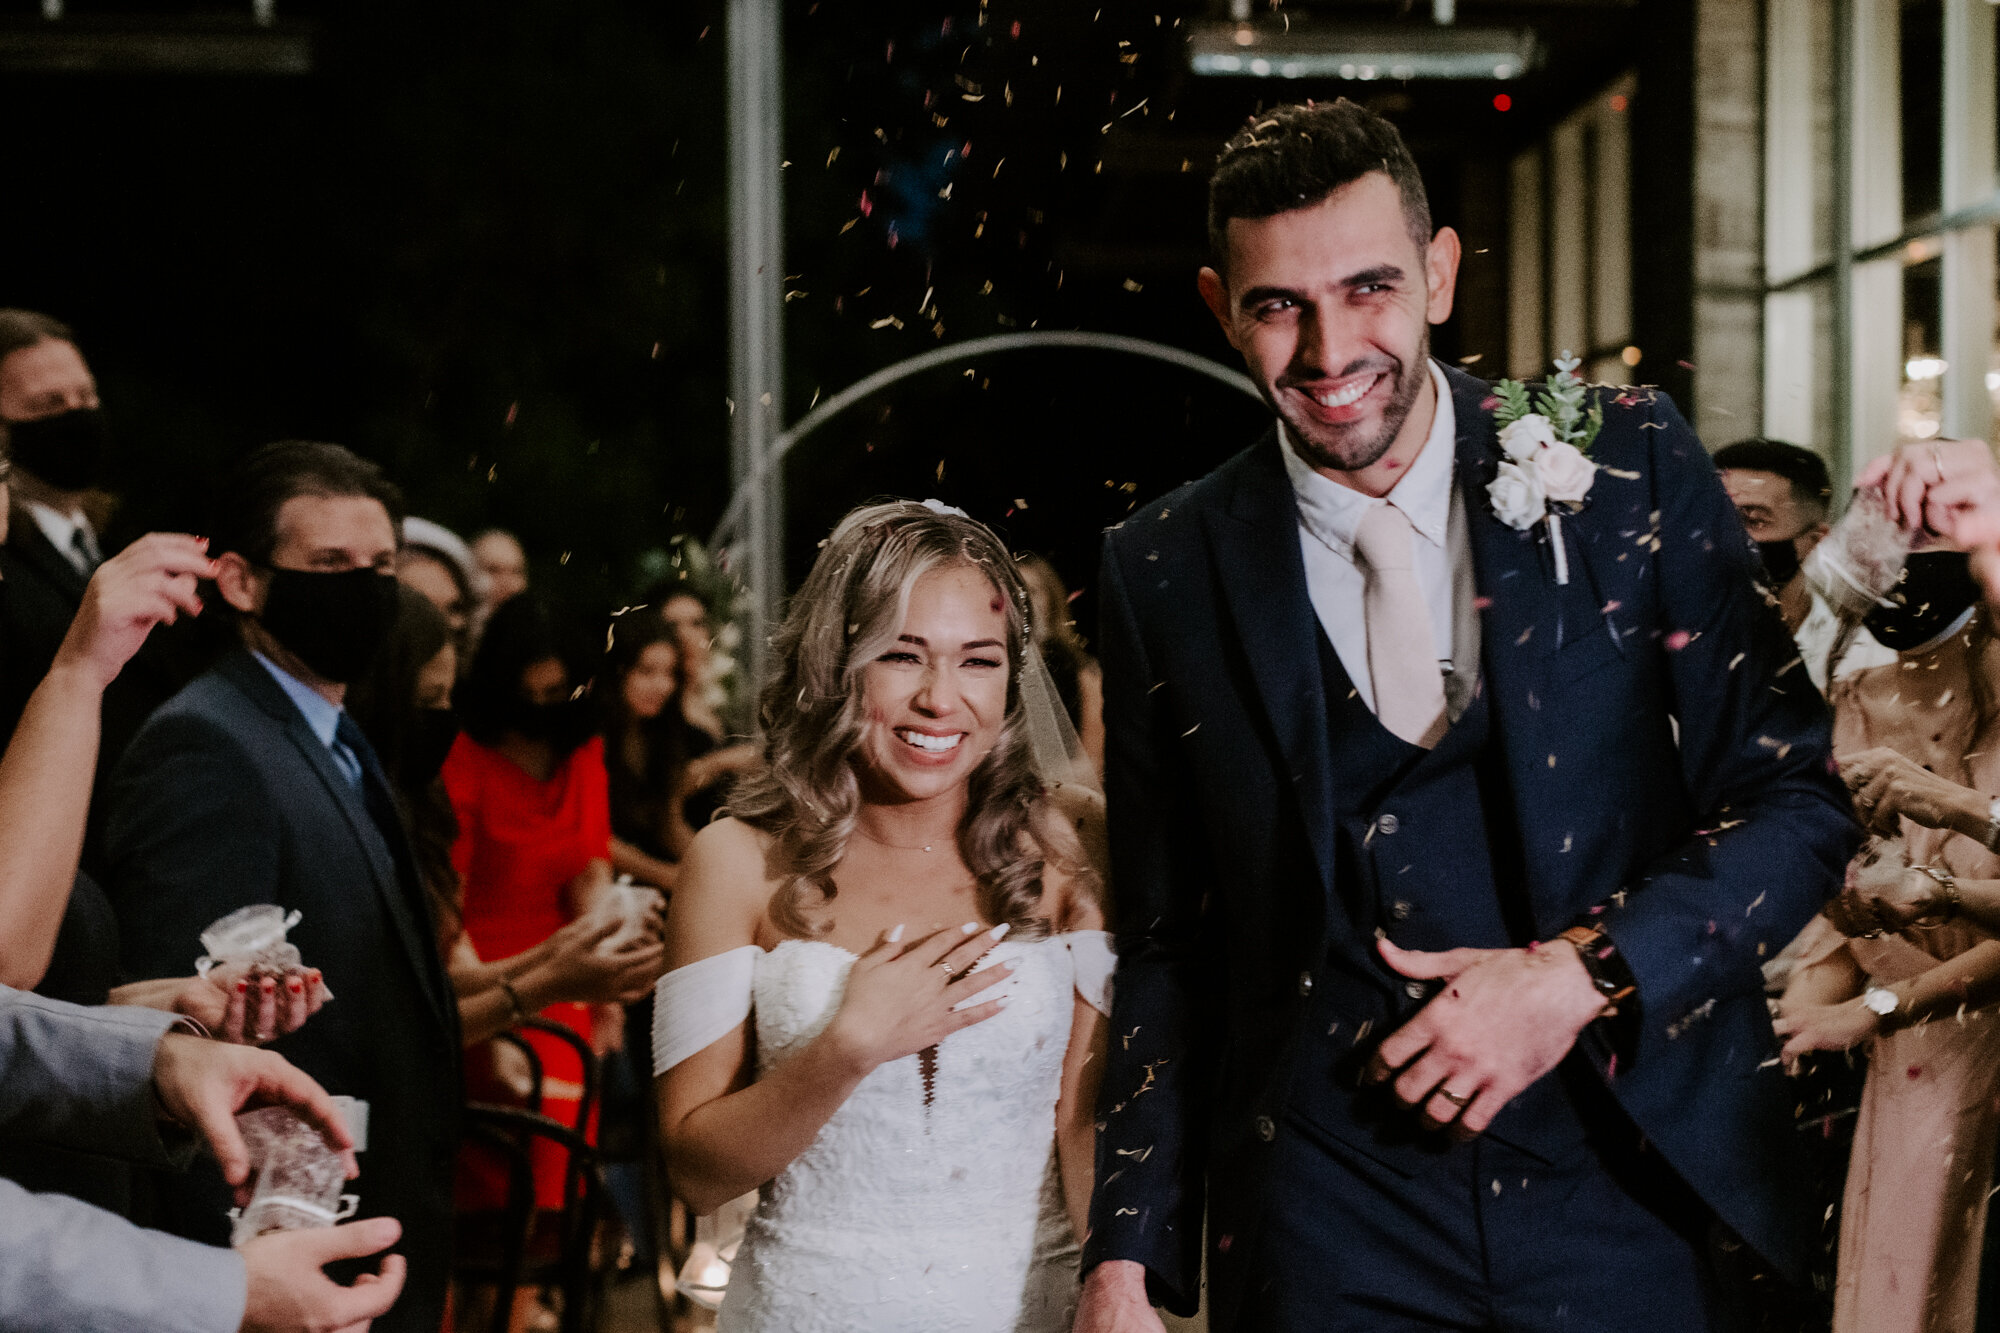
[{"x": 1504, "y": 1018}]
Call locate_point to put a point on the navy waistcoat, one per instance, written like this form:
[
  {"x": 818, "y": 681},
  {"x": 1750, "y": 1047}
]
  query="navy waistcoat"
[{"x": 1422, "y": 855}]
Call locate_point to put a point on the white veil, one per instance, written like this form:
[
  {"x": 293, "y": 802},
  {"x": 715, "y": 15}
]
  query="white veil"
[{"x": 1053, "y": 745}]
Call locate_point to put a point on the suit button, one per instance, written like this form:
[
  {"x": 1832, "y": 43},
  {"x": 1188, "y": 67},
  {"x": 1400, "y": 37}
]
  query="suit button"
[
  {"x": 1387, "y": 824},
  {"x": 1399, "y": 910},
  {"x": 1266, "y": 1130},
  {"x": 1305, "y": 983},
  {"x": 1414, "y": 989}
]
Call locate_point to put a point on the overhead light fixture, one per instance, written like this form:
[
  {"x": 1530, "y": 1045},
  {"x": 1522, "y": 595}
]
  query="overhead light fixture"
[{"x": 1303, "y": 49}]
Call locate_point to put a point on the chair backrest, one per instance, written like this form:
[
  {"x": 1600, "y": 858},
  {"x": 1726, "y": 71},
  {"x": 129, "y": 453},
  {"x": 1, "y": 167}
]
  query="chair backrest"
[
  {"x": 510, "y": 1132},
  {"x": 534, "y": 1059},
  {"x": 592, "y": 1078}
]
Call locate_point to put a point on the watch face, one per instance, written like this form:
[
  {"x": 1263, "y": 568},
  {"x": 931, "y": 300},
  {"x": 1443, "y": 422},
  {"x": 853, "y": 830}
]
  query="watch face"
[{"x": 1880, "y": 1000}]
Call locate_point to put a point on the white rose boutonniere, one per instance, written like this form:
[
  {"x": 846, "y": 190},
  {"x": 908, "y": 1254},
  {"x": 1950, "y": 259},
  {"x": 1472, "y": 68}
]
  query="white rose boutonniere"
[
  {"x": 1546, "y": 436},
  {"x": 1518, "y": 498},
  {"x": 1564, "y": 472},
  {"x": 1524, "y": 437}
]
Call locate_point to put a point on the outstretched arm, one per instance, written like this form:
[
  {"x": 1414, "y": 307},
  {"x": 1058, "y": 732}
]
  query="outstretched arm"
[{"x": 46, "y": 776}]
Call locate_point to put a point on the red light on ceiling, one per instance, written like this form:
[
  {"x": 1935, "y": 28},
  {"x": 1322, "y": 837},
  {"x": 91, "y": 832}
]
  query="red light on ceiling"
[{"x": 1502, "y": 102}]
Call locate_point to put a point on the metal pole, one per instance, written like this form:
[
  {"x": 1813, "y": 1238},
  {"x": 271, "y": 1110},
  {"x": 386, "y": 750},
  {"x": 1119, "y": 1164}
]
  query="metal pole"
[
  {"x": 1845, "y": 454},
  {"x": 756, "y": 308}
]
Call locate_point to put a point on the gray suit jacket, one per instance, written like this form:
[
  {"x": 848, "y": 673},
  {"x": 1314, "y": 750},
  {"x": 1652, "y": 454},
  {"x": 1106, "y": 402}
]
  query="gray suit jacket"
[{"x": 83, "y": 1078}]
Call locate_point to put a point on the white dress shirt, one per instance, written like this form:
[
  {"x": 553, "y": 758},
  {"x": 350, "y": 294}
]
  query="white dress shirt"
[
  {"x": 62, "y": 530},
  {"x": 1329, "y": 516}
]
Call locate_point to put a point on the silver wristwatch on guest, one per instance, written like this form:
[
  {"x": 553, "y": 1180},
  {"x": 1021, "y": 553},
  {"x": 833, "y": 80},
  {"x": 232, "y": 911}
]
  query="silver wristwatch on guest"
[{"x": 1880, "y": 1001}]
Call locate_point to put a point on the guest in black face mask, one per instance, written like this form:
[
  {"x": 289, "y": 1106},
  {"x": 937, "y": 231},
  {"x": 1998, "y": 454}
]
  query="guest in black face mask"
[
  {"x": 49, "y": 418},
  {"x": 254, "y": 785},
  {"x": 1784, "y": 495},
  {"x": 404, "y": 706},
  {"x": 528, "y": 784}
]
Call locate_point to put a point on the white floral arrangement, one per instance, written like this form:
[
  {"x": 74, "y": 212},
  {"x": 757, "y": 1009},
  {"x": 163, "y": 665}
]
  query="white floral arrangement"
[{"x": 1546, "y": 435}]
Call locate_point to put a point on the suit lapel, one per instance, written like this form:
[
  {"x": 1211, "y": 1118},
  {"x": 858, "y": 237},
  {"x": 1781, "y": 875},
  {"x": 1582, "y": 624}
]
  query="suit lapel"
[
  {"x": 31, "y": 546},
  {"x": 256, "y": 682},
  {"x": 1263, "y": 578}
]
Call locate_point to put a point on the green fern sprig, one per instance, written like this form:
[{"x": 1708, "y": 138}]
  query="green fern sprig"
[{"x": 1514, "y": 405}]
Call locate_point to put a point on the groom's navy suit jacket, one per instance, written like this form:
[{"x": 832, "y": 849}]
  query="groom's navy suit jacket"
[{"x": 1706, "y": 849}]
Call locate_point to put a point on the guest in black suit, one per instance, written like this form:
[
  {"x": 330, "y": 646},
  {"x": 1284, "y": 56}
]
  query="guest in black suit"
[
  {"x": 1446, "y": 841},
  {"x": 54, "y": 430},
  {"x": 49, "y": 414},
  {"x": 252, "y": 785}
]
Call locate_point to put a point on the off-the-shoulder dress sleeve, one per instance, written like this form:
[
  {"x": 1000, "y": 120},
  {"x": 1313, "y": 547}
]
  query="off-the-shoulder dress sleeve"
[
  {"x": 695, "y": 1005},
  {"x": 1090, "y": 954}
]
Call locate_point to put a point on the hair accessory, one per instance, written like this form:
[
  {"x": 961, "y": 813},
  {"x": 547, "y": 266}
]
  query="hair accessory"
[{"x": 941, "y": 508}]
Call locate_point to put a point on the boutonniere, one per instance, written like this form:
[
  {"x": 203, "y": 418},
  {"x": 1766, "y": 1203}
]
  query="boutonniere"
[{"x": 1546, "y": 436}]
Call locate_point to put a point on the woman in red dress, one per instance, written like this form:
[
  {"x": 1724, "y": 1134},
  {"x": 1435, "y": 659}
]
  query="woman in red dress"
[{"x": 527, "y": 782}]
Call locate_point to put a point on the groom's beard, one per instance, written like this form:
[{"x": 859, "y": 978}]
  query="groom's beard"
[{"x": 1343, "y": 448}]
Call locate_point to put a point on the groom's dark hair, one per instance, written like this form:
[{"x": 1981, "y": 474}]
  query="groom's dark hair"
[{"x": 1294, "y": 156}]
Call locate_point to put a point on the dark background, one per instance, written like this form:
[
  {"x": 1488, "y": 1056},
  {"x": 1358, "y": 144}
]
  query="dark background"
[{"x": 484, "y": 244}]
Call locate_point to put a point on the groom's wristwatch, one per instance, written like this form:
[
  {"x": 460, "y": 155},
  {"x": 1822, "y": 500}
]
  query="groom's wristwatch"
[
  {"x": 1600, "y": 958},
  {"x": 1616, "y": 1029}
]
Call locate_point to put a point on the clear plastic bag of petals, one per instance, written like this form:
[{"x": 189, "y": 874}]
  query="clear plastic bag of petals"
[
  {"x": 1857, "y": 563},
  {"x": 253, "y": 938},
  {"x": 299, "y": 1179}
]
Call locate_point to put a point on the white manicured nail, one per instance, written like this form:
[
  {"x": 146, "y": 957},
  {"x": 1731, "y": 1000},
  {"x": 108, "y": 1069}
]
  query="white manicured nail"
[
  {"x": 896, "y": 933},
  {"x": 970, "y": 927},
  {"x": 1000, "y": 931}
]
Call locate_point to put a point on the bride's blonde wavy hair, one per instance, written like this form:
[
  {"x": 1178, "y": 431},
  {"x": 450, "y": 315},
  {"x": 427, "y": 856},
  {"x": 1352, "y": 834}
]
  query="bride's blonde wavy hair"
[{"x": 806, "y": 793}]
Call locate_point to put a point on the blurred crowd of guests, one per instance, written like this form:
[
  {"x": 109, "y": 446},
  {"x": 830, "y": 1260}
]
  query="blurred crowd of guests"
[{"x": 474, "y": 798}]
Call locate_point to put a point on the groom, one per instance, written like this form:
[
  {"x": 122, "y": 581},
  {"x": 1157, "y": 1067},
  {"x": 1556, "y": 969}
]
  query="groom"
[{"x": 1445, "y": 860}]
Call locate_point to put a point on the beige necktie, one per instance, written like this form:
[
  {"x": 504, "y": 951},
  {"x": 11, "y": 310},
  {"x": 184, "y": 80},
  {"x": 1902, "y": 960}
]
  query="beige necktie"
[{"x": 1402, "y": 655}]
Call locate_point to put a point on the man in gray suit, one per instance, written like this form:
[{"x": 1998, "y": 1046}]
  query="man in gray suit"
[{"x": 118, "y": 1080}]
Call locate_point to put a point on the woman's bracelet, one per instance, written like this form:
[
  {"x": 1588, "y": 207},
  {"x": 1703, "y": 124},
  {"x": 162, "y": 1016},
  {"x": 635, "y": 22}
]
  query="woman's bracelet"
[
  {"x": 1947, "y": 890},
  {"x": 518, "y": 1013}
]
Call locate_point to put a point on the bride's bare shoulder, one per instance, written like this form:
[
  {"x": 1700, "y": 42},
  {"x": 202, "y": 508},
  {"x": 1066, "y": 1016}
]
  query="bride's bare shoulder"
[{"x": 727, "y": 872}]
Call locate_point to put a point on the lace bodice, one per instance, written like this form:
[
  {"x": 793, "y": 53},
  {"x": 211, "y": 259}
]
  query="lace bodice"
[{"x": 930, "y": 1199}]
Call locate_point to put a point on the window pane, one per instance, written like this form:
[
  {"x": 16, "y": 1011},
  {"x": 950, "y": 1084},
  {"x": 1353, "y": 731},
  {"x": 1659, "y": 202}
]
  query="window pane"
[
  {"x": 1920, "y": 403},
  {"x": 1798, "y": 146},
  {"x": 1798, "y": 365}
]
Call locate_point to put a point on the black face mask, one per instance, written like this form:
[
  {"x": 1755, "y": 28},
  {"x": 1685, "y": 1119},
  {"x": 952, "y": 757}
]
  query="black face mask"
[
  {"x": 334, "y": 622},
  {"x": 1936, "y": 592},
  {"x": 65, "y": 450},
  {"x": 430, "y": 739},
  {"x": 1781, "y": 561},
  {"x": 563, "y": 726}
]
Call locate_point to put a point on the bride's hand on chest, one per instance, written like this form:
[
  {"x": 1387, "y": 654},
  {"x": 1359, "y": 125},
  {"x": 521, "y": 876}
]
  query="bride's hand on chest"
[{"x": 904, "y": 995}]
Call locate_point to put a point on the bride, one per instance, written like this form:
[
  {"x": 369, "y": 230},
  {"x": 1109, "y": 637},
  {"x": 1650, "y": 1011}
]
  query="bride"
[{"x": 889, "y": 973}]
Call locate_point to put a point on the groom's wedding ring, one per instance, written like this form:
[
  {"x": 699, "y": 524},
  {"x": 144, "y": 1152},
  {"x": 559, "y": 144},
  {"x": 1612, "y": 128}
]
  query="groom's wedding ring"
[{"x": 1460, "y": 1100}]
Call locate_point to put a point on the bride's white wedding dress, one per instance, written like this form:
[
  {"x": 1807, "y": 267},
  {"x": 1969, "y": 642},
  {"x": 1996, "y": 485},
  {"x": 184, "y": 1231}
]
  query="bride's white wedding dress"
[{"x": 930, "y": 1200}]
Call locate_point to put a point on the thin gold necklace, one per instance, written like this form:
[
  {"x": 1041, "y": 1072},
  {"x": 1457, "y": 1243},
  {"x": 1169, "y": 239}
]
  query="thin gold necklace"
[{"x": 892, "y": 846}]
